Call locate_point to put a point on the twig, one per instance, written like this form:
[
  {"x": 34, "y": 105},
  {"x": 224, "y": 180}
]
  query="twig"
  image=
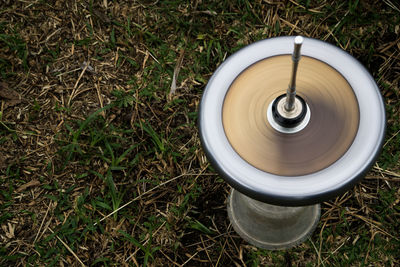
[
  {"x": 390, "y": 139},
  {"x": 97, "y": 85},
  {"x": 190, "y": 258},
  {"x": 372, "y": 223},
  {"x": 68, "y": 248},
  {"x": 316, "y": 250},
  {"x": 204, "y": 246},
  {"x": 145, "y": 193},
  {"x": 165, "y": 255},
  {"x": 76, "y": 83},
  {"x": 311, "y": 10},
  {"x": 382, "y": 178},
  {"x": 176, "y": 73},
  {"x": 387, "y": 2},
  {"x": 41, "y": 225},
  {"x": 369, "y": 246},
  {"x": 386, "y": 172},
  {"x": 222, "y": 252},
  {"x": 334, "y": 28},
  {"x": 341, "y": 245},
  {"x": 212, "y": 239},
  {"x": 320, "y": 244}
]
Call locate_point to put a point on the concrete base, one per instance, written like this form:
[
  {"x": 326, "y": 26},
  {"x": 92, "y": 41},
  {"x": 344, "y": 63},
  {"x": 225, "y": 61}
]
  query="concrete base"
[{"x": 269, "y": 226}]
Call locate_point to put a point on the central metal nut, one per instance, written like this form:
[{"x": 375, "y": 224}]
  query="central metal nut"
[
  {"x": 295, "y": 112},
  {"x": 288, "y": 121}
]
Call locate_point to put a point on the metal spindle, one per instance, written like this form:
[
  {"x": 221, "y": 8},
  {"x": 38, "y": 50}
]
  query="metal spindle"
[{"x": 291, "y": 91}]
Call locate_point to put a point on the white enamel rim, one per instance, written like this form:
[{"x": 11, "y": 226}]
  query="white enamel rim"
[{"x": 300, "y": 190}]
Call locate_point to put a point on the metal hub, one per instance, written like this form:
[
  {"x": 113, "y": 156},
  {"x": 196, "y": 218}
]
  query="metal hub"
[
  {"x": 295, "y": 112},
  {"x": 283, "y": 129},
  {"x": 286, "y": 121}
]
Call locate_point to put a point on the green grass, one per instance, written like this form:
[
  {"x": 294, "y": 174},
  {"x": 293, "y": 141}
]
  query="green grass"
[
  {"x": 119, "y": 176},
  {"x": 11, "y": 41}
]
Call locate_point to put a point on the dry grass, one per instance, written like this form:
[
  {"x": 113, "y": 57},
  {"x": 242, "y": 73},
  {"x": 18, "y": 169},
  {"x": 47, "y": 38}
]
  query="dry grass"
[{"x": 100, "y": 160}]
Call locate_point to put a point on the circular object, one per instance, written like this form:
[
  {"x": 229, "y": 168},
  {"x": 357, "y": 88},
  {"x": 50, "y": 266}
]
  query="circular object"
[
  {"x": 269, "y": 226},
  {"x": 334, "y": 150},
  {"x": 287, "y": 130},
  {"x": 298, "y": 40},
  {"x": 285, "y": 118},
  {"x": 329, "y": 133}
]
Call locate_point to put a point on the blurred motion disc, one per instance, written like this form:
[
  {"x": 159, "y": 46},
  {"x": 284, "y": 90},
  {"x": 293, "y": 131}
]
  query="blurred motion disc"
[
  {"x": 328, "y": 135},
  {"x": 334, "y": 150}
]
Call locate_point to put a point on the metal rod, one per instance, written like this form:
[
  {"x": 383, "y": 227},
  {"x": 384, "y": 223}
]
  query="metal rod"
[{"x": 291, "y": 91}]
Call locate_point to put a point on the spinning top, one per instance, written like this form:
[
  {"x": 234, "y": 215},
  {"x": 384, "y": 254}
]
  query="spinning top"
[{"x": 289, "y": 123}]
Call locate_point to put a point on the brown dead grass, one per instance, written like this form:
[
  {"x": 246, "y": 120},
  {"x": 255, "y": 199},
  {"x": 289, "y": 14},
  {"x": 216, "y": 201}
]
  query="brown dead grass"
[{"x": 71, "y": 72}]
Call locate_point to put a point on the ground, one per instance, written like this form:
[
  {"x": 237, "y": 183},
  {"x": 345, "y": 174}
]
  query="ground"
[{"x": 100, "y": 158}]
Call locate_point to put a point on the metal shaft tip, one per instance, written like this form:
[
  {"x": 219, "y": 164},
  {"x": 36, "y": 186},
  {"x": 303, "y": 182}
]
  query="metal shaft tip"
[{"x": 298, "y": 40}]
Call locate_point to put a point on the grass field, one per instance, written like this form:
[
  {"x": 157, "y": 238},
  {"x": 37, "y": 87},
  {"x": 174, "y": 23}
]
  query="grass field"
[{"x": 100, "y": 158}]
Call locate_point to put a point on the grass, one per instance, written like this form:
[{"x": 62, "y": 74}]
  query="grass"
[{"x": 100, "y": 160}]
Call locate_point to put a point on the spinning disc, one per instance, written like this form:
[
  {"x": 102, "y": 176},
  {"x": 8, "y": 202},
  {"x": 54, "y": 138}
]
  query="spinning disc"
[
  {"x": 329, "y": 133},
  {"x": 340, "y": 142}
]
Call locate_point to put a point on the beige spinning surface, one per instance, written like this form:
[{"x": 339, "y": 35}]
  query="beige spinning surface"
[{"x": 330, "y": 132}]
